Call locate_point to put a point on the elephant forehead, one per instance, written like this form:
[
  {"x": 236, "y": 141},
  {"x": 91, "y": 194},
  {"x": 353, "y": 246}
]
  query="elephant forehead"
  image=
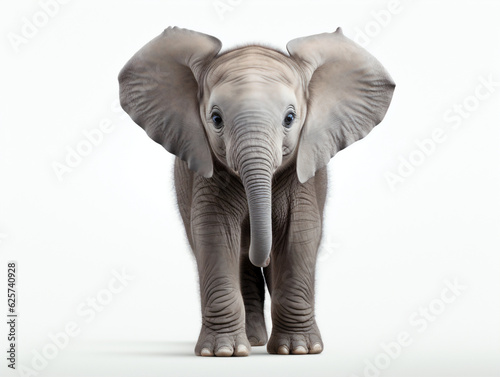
[
  {"x": 252, "y": 64},
  {"x": 251, "y": 94}
]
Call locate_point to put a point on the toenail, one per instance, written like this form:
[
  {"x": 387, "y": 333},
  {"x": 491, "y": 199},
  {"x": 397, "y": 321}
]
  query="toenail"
[
  {"x": 253, "y": 339},
  {"x": 224, "y": 351},
  {"x": 242, "y": 350},
  {"x": 299, "y": 350},
  {"x": 283, "y": 350},
  {"x": 205, "y": 352},
  {"x": 316, "y": 348}
]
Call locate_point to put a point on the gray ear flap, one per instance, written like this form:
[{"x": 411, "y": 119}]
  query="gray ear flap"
[
  {"x": 159, "y": 89},
  {"x": 349, "y": 93}
]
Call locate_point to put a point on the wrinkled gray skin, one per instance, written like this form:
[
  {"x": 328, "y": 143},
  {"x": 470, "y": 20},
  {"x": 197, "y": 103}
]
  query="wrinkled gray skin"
[{"x": 250, "y": 187}]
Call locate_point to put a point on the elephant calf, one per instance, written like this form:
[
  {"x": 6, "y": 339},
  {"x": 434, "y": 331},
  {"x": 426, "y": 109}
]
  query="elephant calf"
[{"x": 253, "y": 130}]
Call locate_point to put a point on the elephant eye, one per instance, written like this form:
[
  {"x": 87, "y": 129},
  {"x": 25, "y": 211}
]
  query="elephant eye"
[
  {"x": 289, "y": 118},
  {"x": 217, "y": 120}
]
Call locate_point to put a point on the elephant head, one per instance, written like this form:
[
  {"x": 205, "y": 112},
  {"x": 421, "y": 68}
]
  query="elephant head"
[{"x": 255, "y": 109}]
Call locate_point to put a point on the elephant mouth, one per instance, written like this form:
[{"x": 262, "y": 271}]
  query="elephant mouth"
[{"x": 286, "y": 151}]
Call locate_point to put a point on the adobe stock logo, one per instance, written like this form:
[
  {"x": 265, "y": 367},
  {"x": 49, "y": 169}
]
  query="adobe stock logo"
[
  {"x": 91, "y": 140},
  {"x": 454, "y": 117},
  {"x": 75, "y": 155},
  {"x": 380, "y": 20},
  {"x": 425, "y": 317},
  {"x": 31, "y": 26},
  {"x": 224, "y": 6},
  {"x": 86, "y": 311}
]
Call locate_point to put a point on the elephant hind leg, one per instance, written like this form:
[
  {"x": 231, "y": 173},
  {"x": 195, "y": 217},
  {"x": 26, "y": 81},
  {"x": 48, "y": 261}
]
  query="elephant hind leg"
[{"x": 253, "y": 292}]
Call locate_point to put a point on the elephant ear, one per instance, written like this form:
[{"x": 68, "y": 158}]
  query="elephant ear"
[
  {"x": 349, "y": 93},
  {"x": 159, "y": 90}
]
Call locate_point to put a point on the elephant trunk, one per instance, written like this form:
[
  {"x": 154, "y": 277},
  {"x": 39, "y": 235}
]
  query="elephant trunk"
[
  {"x": 256, "y": 164},
  {"x": 257, "y": 182},
  {"x": 256, "y": 177}
]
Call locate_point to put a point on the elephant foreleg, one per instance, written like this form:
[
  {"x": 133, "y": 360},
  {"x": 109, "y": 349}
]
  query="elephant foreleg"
[
  {"x": 293, "y": 265},
  {"x": 216, "y": 244}
]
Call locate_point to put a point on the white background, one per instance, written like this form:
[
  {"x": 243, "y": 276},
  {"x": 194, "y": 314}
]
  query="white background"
[{"x": 387, "y": 252}]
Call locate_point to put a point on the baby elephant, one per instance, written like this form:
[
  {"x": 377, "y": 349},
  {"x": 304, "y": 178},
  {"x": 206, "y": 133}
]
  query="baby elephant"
[{"x": 253, "y": 129}]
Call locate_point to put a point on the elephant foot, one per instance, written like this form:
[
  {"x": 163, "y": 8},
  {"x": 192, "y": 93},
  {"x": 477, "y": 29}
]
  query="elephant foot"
[
  {"x": 256, "y": 328},
  {"x": 296, "y": 343},
  {"x": 211, "y": 343}
]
